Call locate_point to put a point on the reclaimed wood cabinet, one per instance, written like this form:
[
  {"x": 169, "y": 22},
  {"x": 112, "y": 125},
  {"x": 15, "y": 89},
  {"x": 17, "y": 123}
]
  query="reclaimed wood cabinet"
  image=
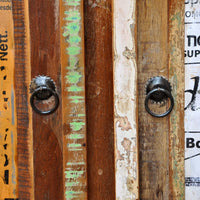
[{"x": 100, "y": 143}]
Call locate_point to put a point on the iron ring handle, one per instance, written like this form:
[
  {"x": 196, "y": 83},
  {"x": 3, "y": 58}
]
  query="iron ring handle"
[
  {"x": 52, "y": 93},
  {"x": 169, "y": 95}
]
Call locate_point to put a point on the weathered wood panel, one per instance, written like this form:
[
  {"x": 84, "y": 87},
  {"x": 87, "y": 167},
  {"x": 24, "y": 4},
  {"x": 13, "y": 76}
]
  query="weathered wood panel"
[
  {"x": 125, "y": 100},
  {"x": 73, "y": 99},
  {"x": 153, "y": 132},
  {"x": 176, "y": 77},
  {"x": 47, "y": 130},
  {"x": 99, "y": 98},
  {"x": 61, "y": 163},
  {"x": 8, "y": 116},
  {"x": 24, "y": 116},
  {"x": 160, "y": 53}
]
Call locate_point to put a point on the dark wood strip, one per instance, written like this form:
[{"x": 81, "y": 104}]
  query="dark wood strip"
[
  {"x": 24, "y": 122},
  {"x": 47, "y": 130},
  {"x": 99, "y": 99}
]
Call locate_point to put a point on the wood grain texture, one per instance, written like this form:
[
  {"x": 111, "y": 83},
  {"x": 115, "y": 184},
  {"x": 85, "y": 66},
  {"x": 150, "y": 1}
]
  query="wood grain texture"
[
  {"x": 160, "y": 52},
  {"x": 177, "y": 77},
  {"x": 125, "y": 100},
  {"x": 153, "y": 132},
  {"x": 8, "y": 118},
  {"x": 24, "y": 117},
  {"x": 73, "y": 100},
  {"x": 99, "y": 98},
  {"x": 47, "y": 130}
]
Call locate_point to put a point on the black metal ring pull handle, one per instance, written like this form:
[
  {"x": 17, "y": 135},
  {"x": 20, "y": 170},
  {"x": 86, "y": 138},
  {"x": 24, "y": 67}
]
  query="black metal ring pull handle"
[
  {"x": 42, "y": 88},
  {"x": 158, "y": 90},
  {"x": 168, "y": 94}
]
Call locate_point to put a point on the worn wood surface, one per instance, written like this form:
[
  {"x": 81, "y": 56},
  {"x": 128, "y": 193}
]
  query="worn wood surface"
[
  {"x": 73, "y": 100},
  {"x": 51, "y": 150},
  {"x": 153, "y": 132},
  {"x": 160, "y": 53},
  {"x": 177, "y": 79},
  {"x": 8, "y": 119},
  {"x": 99, "y": 98},
  {"x": 125, "y": 100},
  {"x": 24, "y": 116},
  {"x": 47, "y": 130}
]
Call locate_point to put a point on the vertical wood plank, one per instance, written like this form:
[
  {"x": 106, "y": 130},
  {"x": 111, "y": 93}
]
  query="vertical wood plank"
[
  {"x": 8, "y": 117},
  {"x": 153, "y": 132},
  {"x": 99, "y": 95},
  {"x": 177, "y": 77},
  {"x": 24, "y": 116},
  {"x": 125, "y": 100},
  {"x": 47, "y": 130},
  {"x": 73, "y": 99}
]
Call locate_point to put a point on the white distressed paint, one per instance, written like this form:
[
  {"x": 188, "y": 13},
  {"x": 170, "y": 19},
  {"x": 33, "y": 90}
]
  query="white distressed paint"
[
  {"x": 125, "y": 84},
  {"x": 192, "y": 113}
]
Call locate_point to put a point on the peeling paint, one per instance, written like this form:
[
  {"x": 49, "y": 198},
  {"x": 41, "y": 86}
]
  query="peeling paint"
[
  {"x": 72, "y": 61},
  {"x": 124, "y": 124},
  {"x": 125, "y": 84}
]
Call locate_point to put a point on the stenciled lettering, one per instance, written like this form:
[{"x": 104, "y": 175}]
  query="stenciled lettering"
[
  {"x": 191, "y": 143},
  {"x": 194, "y": 14},
  {"x": 193, "y": 40},
  {"x": 3, "y": 46},
  {"x": 193, "y": 92},
  {"x": 192, "y": 2},
  {"x": 192, "y": 53}
]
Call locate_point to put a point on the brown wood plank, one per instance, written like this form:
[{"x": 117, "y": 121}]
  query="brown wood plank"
[
  {"x": 24, "y": 117},
  {"x": 153, "y": 132},
  {"x": 177, "y": 77},
  {"x": 99, "y": 98},
  {"x": 73, "y": 99},
  {"x": 125, "y": 100},
  {"x": 47, "y": 130}
]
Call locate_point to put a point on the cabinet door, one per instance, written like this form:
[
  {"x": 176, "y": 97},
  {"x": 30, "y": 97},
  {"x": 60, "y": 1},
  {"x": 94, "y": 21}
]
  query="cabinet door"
[
  {"x": 153, "y": 48},
  {"x": 161, "y": 140},
  {"x": 73, "y": 119}
]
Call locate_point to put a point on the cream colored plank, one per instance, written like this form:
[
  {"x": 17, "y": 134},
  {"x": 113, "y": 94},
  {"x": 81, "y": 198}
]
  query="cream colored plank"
[{"x": 125, "y": 100}]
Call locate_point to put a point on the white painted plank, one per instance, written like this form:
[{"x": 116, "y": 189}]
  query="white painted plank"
[{"x": 125, "y": 99}]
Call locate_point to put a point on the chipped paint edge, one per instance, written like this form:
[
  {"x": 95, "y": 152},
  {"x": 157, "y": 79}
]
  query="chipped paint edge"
[{"x": 125, "y": 100}]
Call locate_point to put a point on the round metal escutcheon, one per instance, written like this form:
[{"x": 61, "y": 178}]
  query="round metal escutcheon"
[
  {"x": 44, "y": 98},
  {"x": 158, "y": 90}
]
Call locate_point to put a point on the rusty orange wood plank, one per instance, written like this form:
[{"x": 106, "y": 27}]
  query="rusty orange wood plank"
[
  {"x": 177, "y": 77},
  {"x": 24, "y": 113},
  {"x": 73, "y": 99},
  {"x": 125, "y": 100},
  {"x": 8, "y": 125},
  {"x": 8, "y": 117}
]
